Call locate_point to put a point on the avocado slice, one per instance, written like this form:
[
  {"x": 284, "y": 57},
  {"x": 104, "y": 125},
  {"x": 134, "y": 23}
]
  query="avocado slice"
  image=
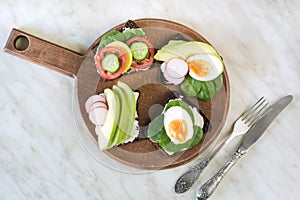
[
  {"x": 131, "y": 104},
  {"x": 106, "y": 133},
  {"x": 184, "y": 49},
  {"x": 124, "y": 129},
  {"x": 165, "y": 55}
]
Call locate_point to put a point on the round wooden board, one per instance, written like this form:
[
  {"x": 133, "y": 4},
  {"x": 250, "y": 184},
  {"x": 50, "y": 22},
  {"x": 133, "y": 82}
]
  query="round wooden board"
[{"x": 142, "y": 153}]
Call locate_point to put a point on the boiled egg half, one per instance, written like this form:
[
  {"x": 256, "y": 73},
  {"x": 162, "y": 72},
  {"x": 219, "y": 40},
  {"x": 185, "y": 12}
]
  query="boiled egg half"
[
  {"x": 178, "y": 125},
  {"x": 204, "y": 67}
]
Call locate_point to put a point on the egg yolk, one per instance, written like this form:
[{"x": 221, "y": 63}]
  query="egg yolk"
[
  {"x": 178, "y": 130},
  {"x": 199, "y": 67}
]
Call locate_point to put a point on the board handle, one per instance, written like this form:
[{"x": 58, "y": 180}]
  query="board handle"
[{"x": 47, "y": 54}]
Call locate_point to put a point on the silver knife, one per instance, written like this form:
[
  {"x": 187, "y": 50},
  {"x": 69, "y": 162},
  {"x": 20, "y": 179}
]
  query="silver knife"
[{"x": 257, "y": 130}]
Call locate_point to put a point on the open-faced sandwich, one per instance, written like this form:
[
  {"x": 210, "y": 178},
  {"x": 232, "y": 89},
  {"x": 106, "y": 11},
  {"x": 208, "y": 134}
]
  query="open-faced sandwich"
[
  {"x": 196, "y": 66},
  {"x": 114, "y": 115},
  {"x": 177, "y": 128},
  {"x": 118, "y": 51}
]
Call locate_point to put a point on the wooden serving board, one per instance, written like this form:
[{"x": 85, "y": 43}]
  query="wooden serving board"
[{"x": 141, "y": 153}]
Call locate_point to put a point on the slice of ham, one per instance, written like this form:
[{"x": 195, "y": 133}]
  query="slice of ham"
[
  {"x": 93, "y": 99},
  {"x": 98, "y": 115}
]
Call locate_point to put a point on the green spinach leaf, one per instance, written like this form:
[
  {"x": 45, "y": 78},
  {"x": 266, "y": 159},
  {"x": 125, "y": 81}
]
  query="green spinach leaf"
[
  {"x": 170, "y": 146},
  {"x": 155, "y": 128},
  {"x": 218, "y": 82},
  {"x": 190, "y": 87},
  {"x": 182, "y": 104},
  {"x": 207, "y": 91}
]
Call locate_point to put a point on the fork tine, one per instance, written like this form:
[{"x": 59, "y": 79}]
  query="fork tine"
[
  {"x": 255, "y": 111},
  {"x": 253, "y": 107},
  {"x": 258, "y": 114}
]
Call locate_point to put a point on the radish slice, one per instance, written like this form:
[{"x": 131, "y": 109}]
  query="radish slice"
[
  {"x": 96, "y": 105},
  {"x": 163, "y": 67},
  {"x": 176, "y": 68},
  {"x": 98, "y": 116},
  {"x": 170, "y": 79},
  {"x": 92, "y": 99},
  {"x": 175, "y": 81}
]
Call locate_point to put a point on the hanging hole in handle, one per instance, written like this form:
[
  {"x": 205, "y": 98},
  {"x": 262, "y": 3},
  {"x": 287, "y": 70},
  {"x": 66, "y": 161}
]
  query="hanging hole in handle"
[{"x": 21, "y": 43}]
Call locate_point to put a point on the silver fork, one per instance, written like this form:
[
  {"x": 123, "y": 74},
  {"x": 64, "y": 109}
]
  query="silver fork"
[{"x": 241, "y": 126}]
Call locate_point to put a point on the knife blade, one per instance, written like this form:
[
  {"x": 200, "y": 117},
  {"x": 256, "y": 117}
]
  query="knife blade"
[
  {"x": 264, "y": 122},
  {"x": 255, "y": 132}
]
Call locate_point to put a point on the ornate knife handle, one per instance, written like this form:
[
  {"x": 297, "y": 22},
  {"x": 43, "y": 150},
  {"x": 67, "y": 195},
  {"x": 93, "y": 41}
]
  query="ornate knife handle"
[{"x": 206, "y": 190}]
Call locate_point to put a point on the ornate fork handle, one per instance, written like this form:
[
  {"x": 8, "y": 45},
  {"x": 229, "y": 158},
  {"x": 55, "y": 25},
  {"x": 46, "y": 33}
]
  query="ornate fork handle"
[
  {"x": 206, "y": 190},
  {"x": 186, "y": 181}
]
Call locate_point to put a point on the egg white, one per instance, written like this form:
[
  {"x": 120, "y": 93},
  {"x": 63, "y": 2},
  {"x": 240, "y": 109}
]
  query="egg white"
[
  {"x": 216, "y": 67},
  {"x": 175, "y": 113},
  {"x": 198, "y": 119}
]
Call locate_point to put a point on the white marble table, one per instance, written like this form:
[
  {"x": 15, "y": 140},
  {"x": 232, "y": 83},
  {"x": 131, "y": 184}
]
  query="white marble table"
[{"x": 41, "y": 156}]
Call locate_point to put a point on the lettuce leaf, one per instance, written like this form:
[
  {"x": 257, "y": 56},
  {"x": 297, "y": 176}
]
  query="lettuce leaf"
[
  {"x": 110, "y": 37},
  {"x": 116, "y": 35},
  {"x": 130, "y": 33}
]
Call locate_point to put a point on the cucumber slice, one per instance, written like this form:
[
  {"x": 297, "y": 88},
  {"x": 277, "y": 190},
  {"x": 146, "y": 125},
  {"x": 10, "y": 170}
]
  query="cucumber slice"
[
  {"x": 139, "y": 50},
  {"x": 110, "y": 63}
]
